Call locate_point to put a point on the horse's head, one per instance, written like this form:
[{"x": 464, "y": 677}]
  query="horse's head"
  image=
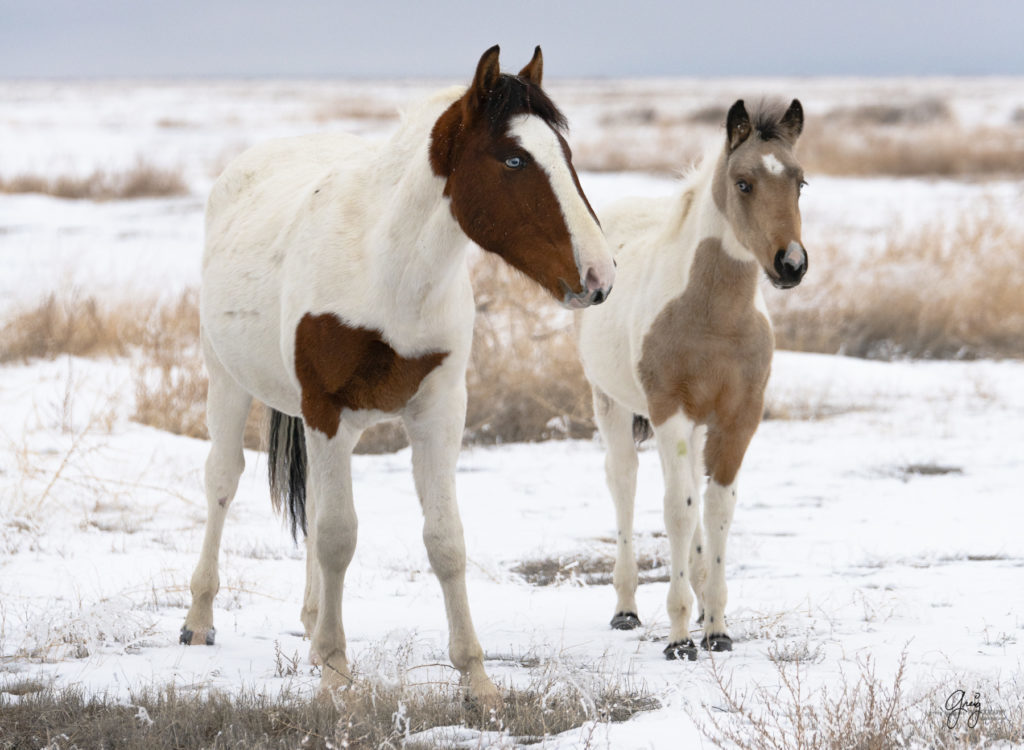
[
  {"x": 757, "y": 186},
  {"x": 508, "y": 172}
]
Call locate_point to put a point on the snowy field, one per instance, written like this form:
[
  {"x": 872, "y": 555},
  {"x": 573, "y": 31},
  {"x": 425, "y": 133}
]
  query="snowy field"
[{"x": 879, "y": 518}]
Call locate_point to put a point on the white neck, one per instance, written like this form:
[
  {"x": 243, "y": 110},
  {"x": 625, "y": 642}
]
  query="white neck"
[{"x": 419, "y": 248}]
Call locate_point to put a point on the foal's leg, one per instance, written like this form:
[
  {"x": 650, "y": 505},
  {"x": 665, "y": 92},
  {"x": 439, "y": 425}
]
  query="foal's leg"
[
  {"x": 675, "y": 437},
  {"x": 698, "y": 569},
  {"x": 334, "y": 527},
  {"x": 615, "y": 423},
  {"x": 727, "y": 444},
  {"x": 227, "y": 407},
  {"x": 435, "y": 433}
]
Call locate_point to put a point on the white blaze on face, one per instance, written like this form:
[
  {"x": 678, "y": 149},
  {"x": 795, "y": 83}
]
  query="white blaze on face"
[
  {"x": 773, "y": 165},
  {"x": 590, "y": 248}
]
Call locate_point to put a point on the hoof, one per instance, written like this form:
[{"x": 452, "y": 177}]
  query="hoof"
[
  {"x": 189, "y": 638},
  {"x": 681, "y": 650},
  {"x": 716, "y": 642},
  {"x": 625, "y": 621}
]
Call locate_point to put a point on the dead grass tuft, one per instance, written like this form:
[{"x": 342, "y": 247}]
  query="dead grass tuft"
[
  {"x": 525, "y": 381},
  {"x": 944, "y": 292},
  {"x": 143, "y": 180},
  {"x": 588, "y": 570},
  {"x": 368, "y": 715},
  {"x": 71, "y": 325},
  {"x": 862, "y": 711}
]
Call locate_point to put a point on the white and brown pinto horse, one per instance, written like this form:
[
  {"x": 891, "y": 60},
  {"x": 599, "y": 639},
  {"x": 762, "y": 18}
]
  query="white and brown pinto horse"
[
  {"x": 687, "y": 344},
  {"x": 335, "y": 290}
]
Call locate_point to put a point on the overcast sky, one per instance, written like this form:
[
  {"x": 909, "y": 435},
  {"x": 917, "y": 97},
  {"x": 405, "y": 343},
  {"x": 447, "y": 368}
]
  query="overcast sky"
[{"x": 444, "y": 38}]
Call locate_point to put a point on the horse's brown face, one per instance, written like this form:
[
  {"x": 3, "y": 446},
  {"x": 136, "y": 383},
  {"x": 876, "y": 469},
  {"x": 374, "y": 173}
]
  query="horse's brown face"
[
  {"x": 512, "y": 186},
  {"x": 757, "y": 186}
]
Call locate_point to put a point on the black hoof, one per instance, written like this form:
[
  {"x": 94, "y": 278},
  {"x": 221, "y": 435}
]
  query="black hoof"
[
  {"x": 681, "y": 650},
  {"x": 625, "y": 621},
  {"x": 186, "y": 636},
  {"x": 716, "y": 642}
]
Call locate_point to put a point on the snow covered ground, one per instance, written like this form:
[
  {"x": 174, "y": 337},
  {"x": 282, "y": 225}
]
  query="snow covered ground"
[{"x": 879, "y": 516}]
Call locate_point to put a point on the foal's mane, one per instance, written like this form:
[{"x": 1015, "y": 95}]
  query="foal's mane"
[
  {"x": 513, "y": 95},
  {"x": 766, "y": 119}
]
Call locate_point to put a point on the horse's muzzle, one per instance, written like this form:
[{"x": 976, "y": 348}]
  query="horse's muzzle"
[
  {"x": 790, "y": 266},
  {"x": 586, "y": 298}
]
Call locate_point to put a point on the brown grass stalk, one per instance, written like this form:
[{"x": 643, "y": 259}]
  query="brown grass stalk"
[{"x": 142, "y": 180}]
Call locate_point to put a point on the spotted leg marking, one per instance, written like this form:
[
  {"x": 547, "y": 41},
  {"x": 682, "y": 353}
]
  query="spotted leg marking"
[
  {"x": 675, "y": 436},
  {"x": 719, "y": 506}
]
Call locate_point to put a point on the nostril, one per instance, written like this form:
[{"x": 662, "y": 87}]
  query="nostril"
[{"x": 598, "y": 297}]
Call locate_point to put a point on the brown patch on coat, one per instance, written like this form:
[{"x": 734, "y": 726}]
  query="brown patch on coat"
[
  {"x": 709, "y": 352},
  {"x": 511, "y": 212},
  {"x": 345, "y": 367}
]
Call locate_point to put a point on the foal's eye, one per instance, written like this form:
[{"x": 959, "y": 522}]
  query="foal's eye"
[
  {"x": 801, "y": 186},
  {"x": 744, "y": 186},
  {"x": 515, "y": 162}
]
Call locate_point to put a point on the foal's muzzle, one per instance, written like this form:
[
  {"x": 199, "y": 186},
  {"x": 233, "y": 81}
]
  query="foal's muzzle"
[{"x": 790, "y": 266}]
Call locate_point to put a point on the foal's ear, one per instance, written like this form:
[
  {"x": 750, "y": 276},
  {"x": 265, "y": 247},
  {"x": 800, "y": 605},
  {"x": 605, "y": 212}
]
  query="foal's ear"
[
  {"x": 737, "y": 125},
  {"x": 487, "y": 74},
  {"x": 534, "y": 69},
  {"x": 792, "y": 123}
]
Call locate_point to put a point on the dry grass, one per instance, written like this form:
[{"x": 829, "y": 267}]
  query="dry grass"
[
  {"x": 143, "y": 180},
  {"x": 588, "y": 570},
  {"x": 525, "y": 381},
  {"x": 865, "y": 711},
  {"x": 371, "y": 714},
  {"x": 946, "y": 291}
]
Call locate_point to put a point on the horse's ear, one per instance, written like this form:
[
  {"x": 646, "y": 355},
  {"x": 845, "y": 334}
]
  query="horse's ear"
[
  {"x": 486, "y": 78},
  {"x": 737, "y": 125},
  {"x": 534, "y": 69},
  {"x": 792, "y": 123}
]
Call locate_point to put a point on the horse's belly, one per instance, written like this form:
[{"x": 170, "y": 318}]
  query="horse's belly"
[
  {"x": 607, "y": 360},
  {"x": 241, "y": 317}
]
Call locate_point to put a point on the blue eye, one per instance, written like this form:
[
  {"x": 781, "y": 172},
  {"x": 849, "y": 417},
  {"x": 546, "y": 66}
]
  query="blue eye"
[
  {"x": 515, "y": 162},
  {"x": 744, "y": 186}
]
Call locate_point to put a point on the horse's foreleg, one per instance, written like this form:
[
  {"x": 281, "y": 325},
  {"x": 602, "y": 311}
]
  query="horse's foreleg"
[
  {"x": 727, "y": 444},
  {"x": 333, "y": 538},
  {"x": 435, "y": 433},
  {"x": 675, "y": 448},
  {"x": 620, "y": 464},
  {"x": 227, "y": 407},
  {"x": 698, "y": 569}
]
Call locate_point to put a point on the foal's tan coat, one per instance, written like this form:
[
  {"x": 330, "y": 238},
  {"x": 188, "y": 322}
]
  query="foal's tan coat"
[{"x": 686, "y": 342}]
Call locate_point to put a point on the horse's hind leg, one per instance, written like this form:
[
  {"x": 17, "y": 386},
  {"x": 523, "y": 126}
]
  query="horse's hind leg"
[
  {"x": 615, "y": 423},
  {"x": 227, "y": 407}
]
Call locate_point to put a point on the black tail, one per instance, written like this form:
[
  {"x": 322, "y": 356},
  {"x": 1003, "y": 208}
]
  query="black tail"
[
  {"x": 641, "y": 429},
  {"x": 286, "y": 460}
]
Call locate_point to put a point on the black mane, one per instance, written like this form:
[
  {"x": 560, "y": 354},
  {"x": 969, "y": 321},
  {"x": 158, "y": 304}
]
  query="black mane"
[{"x": 513, "y": 96}]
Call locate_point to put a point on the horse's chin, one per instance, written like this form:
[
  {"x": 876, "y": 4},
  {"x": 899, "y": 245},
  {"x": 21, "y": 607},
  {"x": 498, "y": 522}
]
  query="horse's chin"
[{"x": 782, "y": 284}]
